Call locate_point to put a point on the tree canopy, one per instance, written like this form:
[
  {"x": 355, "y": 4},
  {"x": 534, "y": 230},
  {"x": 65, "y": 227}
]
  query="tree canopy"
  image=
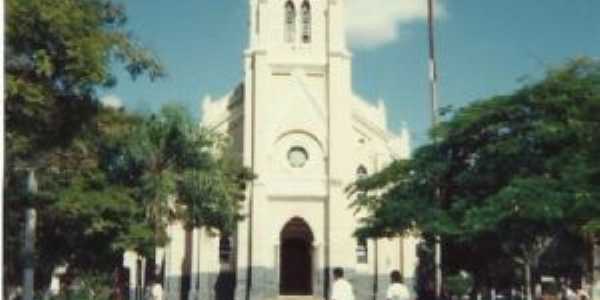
[
  {"x": 109, "y": 180},
  {"x": 58, "y": 55},
  {"x": 513, "y": 171},
  {"x": 180, "y": 170}
]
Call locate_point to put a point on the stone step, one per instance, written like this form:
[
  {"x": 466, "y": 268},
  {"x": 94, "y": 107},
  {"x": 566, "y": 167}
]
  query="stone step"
[{"x": 299, "y": 298}]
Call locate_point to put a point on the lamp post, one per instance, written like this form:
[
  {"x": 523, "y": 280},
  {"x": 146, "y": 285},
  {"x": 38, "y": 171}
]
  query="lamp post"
[
  {"x": 29, "y": 239},
  {"x": 434, "y": 122},
  {"x": 595, "y": 287}
]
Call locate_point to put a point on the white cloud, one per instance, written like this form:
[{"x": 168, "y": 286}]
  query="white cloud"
[
  {"x": 112, "y": 101},
  {"x": 373, "y": 23}
]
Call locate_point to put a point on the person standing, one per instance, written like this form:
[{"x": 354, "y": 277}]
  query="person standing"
[
  {"x": 397, "y": 290},
  {"x": 154, "y": 291},
  {"x": 342, "y": 289},
  {"x": 567, "y": 291},
  {"x": 582, "y": 293}
]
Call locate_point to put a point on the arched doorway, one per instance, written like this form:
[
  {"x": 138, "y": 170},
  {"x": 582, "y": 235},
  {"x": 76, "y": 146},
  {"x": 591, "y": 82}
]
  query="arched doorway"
[{"x": 295, "y": 274}]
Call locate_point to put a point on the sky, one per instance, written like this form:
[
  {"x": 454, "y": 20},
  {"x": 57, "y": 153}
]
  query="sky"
[{"x": 483, "y": 48}]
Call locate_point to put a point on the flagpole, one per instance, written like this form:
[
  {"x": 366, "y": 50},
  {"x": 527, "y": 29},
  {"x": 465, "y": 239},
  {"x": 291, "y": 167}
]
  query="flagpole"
[
  {"x": 434, "y": 122},
  {"x": 432, "y": 63},
  {"x": 327, "y": 246}
]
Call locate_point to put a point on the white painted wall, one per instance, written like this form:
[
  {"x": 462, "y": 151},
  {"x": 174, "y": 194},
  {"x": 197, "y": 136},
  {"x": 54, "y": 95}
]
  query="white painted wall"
[{"x": 284, "y": 104}]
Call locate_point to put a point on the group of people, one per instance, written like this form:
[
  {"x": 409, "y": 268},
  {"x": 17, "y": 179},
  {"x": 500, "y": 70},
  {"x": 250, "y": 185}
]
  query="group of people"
[{"x": 342, "y": 289}]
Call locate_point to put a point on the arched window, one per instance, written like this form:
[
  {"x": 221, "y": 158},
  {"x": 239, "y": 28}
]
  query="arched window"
[
  {"x": 225, "y": 249},
  {"x": 362, "y": 251},
  {"x": 290, "y": 21},
  {"x": 361, "y": 172},
  {"x": 306, "y": 22}
]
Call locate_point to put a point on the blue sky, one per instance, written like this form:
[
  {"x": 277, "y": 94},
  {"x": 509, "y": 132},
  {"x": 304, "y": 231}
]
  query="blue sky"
[{"x": 484, "y": 48}]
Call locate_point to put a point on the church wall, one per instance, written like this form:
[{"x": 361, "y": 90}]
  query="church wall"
[
  {"x": 285, "y": 104},
  {"x": 208, "y": 281},
  {"x": 276, "y": 184},
  {"x": 372, "y": 151},
  {"x": 284, "y": 108},
  {"x": 337, "y": 37},
  {"x": 410, "y": 259},
  {"x": 343, "y": 164},
  {"x": 235, "y": 133},
  {"x": 388, "y": 260},
  {"x": 199, "y": 252},
  {"x": 174, "y": 256},
  {"x": 292, "y": 100},
  {"x": 362, "y": 278},
  {"x": 208, "y": 269}
]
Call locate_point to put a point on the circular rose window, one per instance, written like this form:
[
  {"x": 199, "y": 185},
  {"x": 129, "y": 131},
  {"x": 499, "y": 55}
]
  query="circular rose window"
[{"x": 297, "y": 157}]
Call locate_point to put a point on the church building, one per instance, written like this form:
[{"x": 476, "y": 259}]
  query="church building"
[{"x": 297, "y": 124}]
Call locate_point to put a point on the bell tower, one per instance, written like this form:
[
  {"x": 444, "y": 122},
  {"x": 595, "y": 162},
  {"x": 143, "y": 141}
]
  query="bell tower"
[
  {"x": 297, "y": 28},
  {"x": 297, "y": 74},
  {"x": 297, "y": 109}
]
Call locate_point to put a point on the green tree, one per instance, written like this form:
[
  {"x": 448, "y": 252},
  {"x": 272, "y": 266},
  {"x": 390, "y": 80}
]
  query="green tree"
[
  {"x": 180, "y": 170},
  {"x": 59, "y": 54},
  {"x": 512, "y": 171},
  {"x": 80, "y": 208},
  {"x": 107, "y": 177}
]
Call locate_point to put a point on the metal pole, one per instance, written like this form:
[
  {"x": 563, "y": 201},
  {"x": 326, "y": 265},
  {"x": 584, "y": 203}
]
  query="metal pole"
[
  {"x": 595, "y": 288},
  {"x": 438, "y": 268},
  {"x": 327, "y": 246},
  {"x": 432, "y": 64},
  {"x": 434, "y": 122},
  {"x": 28, "y": 273},
  {"x": 29, "y": 241}
]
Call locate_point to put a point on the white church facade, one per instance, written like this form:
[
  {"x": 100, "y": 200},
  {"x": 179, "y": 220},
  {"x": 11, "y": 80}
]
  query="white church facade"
[{"x": 296, "y": 123}]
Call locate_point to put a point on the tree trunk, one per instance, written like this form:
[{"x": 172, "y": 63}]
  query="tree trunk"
[
  {"x": 528, "y": 290},
  {"x": 595, "y": 293},
  {"x": 118, "y": 283}
]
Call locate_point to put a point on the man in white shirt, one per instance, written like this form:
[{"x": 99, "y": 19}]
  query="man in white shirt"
[
  {"x": 397, "y": 290},
  {"x": 155, "y": 291},
  {"x": 341, "y": 290},
  {"x": 570, "y": 293}
]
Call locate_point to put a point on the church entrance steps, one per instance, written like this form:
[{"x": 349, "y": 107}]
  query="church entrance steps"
[{"x": 309, "y": 297}]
